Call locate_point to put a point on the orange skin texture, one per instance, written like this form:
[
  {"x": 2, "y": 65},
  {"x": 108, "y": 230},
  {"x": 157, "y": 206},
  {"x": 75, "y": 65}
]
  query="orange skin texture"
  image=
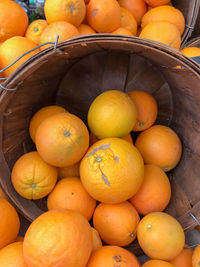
[
  {"x": 97, "y": 243},
  {"x": 35, "y": 30},
  {"x": 196, "y": 257},
  {"x": 13, "y": 20},
  {"x": 147, "y": 109},
  {"x": 12, "y": 255},
  {"x": 85, "y": 29},
  {"x": 184, "y": 259},
  {"x": 9, "y": 223},
  {"x": 191, "y": 51},
  {"x": 156, "y": 225},
  {"x": 122, "y": 31},
  {"x": 117, "y": 223},
  {"x": 161, "y": 146},
  {"x": 42, "y": 115},
  {"x": 65, "y": 237},
  {"x": 162, "y": 32},
  {"x": 32, "y": 177},
  {"x": 62, "y": 29},
  {"x": 104, "y": 16},
  {"x": 137, "y": 7},
  {"x": 102, "y": 119},
  {"x": 72, "y": 11},
  {"x": 94, "y": 139},
  {"x": 154, "y": 193},
  {"x": 165, "y": 13},
  {"x": 70, "y": 171},
  {"x": 13, "y": 48},
  {"x": 62, "y": 139},
  {"x": 70, "y": 194},
  {"x": 128, "y": 21},
  {"x": 157, "y": 263},
  {"x": 155, "y": 3},
  {"x": 107, "y": 171},
  {"x": 111, "y": 256}
]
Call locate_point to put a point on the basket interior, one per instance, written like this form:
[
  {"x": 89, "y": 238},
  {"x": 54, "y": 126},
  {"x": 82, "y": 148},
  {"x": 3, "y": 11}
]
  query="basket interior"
[{"x": 74, "y": 78}]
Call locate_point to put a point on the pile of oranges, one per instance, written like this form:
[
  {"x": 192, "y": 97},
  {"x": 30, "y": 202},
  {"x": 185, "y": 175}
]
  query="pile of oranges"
[
  {"x": 156, "y": 20},
  {"x": 104, "y": 188}
]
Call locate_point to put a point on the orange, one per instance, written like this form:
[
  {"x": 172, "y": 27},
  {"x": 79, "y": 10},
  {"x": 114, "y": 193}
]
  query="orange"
[
  {"x": 35, "y": 30},
  {"x": 85, "y": 29},
  {"x": 155, "y": 3},
  {"x": 122, "y": 31},
  {"x": 70, "y": 194},
  {"x": 62, "y": 139},
  {"x": 165, "y": 13},
  {"x": 12, "y": 255},
  {"x": 196, "y": 257},
  {"x": 72, "y": 11},
  {"x": 13, "y": 20},
  {"x": 108, "y": 173},
  {"x": 112, "y": 114},
  {"x": 96, "y": 240},
  {"x": 2, "y": 194},
  {"x": 13, "y": 48},
  {"x": 103, "y": 15},
  {"x": 160, "y": 236},
  {"x": 184, "y": 259},
  {"x": 58, "y": 238},
  {"x": 157, "y": 263},
  {"x": 112, "y": 256},
  {"x": 191, "y": 51},
  {"x": 9, "y": 223},
  {"x": 94, "y": 139},
  {"x": 62, "y": 29},
  {"x": 162, "y": 32},
  {"x": 128, "y": 21},
  {"x": 116, "y": 223},
  {"x": 42, "y": 115},
  {"x": 154, "y": 193},
  {"x": 137, "y": 7},
  {"x": 161, "y": 146},
  {"x": 33, "y": 178},
  {"x": 147, "y": 109},
  {"x": 72, "y": 170}
]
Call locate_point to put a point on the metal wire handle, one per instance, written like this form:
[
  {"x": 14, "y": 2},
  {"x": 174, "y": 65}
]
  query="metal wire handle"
[
  {"x": 11, "y": 64},
  {"x": 197, "y": 221}
]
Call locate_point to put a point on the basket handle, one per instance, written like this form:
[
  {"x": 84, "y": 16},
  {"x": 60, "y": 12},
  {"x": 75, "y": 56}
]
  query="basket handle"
[
  {"x": 198, "y": 223},
  {"x": 11, "y": 64}
]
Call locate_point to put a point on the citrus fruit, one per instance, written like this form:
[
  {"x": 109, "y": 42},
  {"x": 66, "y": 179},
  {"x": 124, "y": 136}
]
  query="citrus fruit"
[
  {"x": 112, "y": 114},
  {"x": 160, "y": 236},
  {"x": 191, "y": 51},
  {"x": 162, "y": 32},
  {"x": 104, "y": 16},
  {"x": 9, "y": 223},
  {"x": 112, "y": 256},
  {"x": 72, "y": 11},
  {"x": 196, "y": 257},
  {"x": 42, "y": 115},
  {"x": 154, "y": 193},
  {"x": 62, "y": 139},
  {"x": 147, "y": 109},
  {"x": 13, "y": 48},
  {"x": 128, "y": 21},
  {"x": 19, "y": 238},
  {"x": 13, "y": 20},
  {"x": 161, "y": 146},
  {"x": 157, "y": 263},
  {"x": 2, "y": 194},
  {"x": 70, "y": 194},
  {"x": 116, "y": 223},
  {"x": 184, "y": 259},
  {"x": 122, "y": 31},
  {"x": 165, "y": 13},
  {"x": 33, "y": 178},
  {"x": 94, "y": 139},
  {"x": 35, "y": 30},
  {"x": 96, "y": 240},
  {"x": 85, "y": 29},
  {"x": 58, "y": 238},
  {"x": 12, "y": 255},
  {"x": 72, "y": 170},
  {"x": 155, "y": 3},
  {"x": 112, "y": 170}
]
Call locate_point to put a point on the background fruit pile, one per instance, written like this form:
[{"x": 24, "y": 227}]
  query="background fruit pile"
[{"x": 150, "y": 19}]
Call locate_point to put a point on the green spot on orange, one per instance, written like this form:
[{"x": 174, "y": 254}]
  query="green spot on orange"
[
  {"x": 98, "y": 159},
  {"x": 36, "y": 29},
  {"x": 141, "y": 124},
  {"x": 33, "y": 185},
  {"x": 67, "y": 133}
]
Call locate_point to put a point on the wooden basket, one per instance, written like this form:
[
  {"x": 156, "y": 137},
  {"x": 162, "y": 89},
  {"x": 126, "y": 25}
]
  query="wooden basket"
[
  {"x": 196, "y": 32},
  {"x": 194, "y": 42},
  {"x": 74, "y": 73}
]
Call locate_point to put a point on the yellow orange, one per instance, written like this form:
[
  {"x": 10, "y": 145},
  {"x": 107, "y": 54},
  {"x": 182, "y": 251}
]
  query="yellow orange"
[
  {"x": 128, "y": 21},
  {"x": 85, "y": 29},
  {"x": 191, "y": 51},
  {"x": 35, "y": 30}
]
